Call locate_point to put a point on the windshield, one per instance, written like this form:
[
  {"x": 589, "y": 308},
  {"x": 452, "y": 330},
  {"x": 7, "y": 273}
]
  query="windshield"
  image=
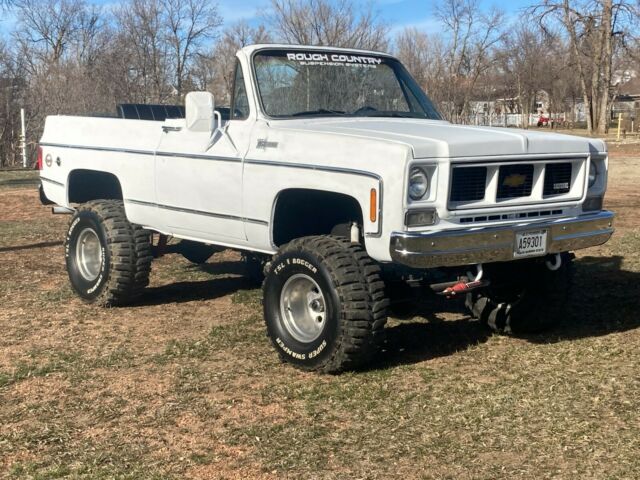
[{"x": 324, "y": 83}]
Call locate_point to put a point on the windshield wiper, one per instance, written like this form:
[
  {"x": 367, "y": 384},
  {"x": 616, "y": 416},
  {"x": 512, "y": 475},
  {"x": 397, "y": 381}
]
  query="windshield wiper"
[{"x": 320, "y": 111}]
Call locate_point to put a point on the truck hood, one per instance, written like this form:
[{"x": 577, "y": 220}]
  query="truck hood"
[{"x": 433, "y": 138}]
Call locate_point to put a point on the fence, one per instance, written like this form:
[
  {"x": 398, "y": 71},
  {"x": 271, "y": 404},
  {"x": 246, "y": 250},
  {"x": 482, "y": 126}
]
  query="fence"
[{"x": 517, "y": 120}]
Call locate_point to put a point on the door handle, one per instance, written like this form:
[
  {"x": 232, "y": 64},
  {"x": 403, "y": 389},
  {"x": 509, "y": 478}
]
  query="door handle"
[{"x": 166, "y": 128}]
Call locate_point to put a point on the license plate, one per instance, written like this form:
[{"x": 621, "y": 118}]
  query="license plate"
[{"x": 532, "y": 243}]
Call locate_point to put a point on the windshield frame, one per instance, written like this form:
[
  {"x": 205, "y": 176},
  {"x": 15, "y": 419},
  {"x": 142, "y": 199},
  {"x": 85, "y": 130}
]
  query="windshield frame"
[{"x": 404, "y": 78}]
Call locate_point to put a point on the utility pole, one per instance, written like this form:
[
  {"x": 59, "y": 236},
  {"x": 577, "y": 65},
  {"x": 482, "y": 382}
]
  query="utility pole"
[{"x": 23, "y": 140}]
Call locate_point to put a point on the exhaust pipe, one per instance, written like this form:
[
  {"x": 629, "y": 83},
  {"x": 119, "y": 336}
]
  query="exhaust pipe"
[{"x": 58, "y": 210}]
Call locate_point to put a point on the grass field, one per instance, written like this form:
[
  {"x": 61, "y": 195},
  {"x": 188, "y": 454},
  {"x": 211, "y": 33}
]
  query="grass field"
[{"x": 186, "y": 385}]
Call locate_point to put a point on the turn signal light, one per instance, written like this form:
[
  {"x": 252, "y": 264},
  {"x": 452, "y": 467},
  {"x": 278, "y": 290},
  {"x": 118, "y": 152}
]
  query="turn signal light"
[{"x": 373, "y": 205}]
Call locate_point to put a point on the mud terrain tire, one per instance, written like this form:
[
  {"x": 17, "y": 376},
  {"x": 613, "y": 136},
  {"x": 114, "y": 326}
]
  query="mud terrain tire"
[
  {"x": 108, "y": 258},
  {"x": 352, "y": 304},
  {"x": 524, "y": 297}
]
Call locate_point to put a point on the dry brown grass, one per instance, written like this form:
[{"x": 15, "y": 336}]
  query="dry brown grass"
[{"x": 185, "y": 384}]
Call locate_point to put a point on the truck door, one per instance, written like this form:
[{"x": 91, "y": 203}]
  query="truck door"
[{"x": 200, "y": 188}]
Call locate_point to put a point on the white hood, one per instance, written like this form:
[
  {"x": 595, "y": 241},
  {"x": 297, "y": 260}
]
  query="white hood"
[{"x": 432, "y": 139}]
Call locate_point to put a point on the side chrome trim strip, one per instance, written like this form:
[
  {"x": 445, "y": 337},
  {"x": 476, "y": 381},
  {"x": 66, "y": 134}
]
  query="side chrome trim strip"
[
  {"x": 97, "y": 149},
  {"x": 198, "y": 157},
  {"x": 197, "y": 212},
  {"x": 144, "y": 152},
  {"x": 48, "y": 180},
  {"x": 323, "y": 168}
]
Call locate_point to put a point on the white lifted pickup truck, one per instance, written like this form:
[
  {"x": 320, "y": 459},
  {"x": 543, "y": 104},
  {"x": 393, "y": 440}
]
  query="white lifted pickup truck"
[{"x": 334, "y": 172}]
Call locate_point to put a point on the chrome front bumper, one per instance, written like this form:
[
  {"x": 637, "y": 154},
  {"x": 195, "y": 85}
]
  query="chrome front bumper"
[{"x": 496, "y": 244}]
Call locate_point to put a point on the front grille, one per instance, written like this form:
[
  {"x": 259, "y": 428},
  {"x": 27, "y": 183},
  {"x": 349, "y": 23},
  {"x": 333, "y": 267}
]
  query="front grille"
[
  {"x": 515, "y": 181},
  {"x": 557, "y": 178},
  {"x": 468, "y": 184},
  {"x": 506, "y": 182}
]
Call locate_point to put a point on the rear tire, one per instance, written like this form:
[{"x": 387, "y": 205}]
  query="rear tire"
[
  {"x": 108, "y": 258},
  {"x": 324, "y": 304},
  {"x": 524, "y": 297}
]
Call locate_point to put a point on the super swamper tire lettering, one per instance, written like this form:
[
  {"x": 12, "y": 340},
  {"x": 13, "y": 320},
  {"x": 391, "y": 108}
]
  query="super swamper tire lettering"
[
  {"x": 108, "y": 259},
  {"x": 352, "y": 310}
]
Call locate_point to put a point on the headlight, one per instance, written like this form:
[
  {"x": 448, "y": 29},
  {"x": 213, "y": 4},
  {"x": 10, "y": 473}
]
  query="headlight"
[
  {"x": 418, "y": 183},
  {"x": 593, "y": 174}
]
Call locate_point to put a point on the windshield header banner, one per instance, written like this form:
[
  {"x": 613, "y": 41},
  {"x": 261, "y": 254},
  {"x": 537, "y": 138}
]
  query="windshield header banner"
[{"x": 334, "y": 59}]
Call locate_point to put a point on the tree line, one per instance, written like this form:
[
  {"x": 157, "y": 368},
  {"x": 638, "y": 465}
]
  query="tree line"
[{"x": 76, "y": 57}]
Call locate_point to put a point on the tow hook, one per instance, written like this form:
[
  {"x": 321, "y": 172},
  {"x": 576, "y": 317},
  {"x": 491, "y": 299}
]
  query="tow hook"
[
  {"x": 461, "y": 286},
  {"x": 555, "y": 264}
]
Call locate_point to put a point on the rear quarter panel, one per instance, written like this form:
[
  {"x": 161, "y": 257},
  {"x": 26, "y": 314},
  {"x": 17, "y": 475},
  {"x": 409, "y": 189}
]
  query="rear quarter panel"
[{"x": 122, "y": 147}]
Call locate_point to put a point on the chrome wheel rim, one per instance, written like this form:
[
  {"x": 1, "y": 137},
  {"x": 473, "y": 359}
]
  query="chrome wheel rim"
[
  {"x": 303, "y": 308},
  {"x": 89, "y": 254}
]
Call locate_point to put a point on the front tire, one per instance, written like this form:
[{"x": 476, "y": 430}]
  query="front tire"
[
  {"x": 324, "y": 304},
  {"x": 524, "y": 297},
  {"x": 108, "y": 258}
]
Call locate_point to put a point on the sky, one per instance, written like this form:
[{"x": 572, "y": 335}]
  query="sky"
[{"x": 398, "y": 14}]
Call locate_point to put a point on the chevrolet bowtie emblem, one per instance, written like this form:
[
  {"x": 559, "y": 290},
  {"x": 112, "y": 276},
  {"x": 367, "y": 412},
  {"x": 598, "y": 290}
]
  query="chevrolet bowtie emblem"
[{"x": 514, "y": 180}]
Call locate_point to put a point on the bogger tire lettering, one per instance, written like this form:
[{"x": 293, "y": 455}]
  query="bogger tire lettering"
[{"x": 304, "y": 263}]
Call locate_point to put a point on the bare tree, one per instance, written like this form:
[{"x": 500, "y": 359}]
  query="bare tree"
[
  {"x": 343, "y": 23},
  {"x": 215, "y": 69},
  {"x": 424, "y": 57},
  {"x": 596, "y": 30},
  {"x": 10, "y": 85},
  {"x": 472, "y": 37},
  {"x": 48, "y": 29},
  {"x": 141, "y": 40},
  {"x": 413, "y": 48},
  {"x": 58, "y": 43},
  {"x": 524, "y": 58},
  {"x": 188, "y": 24}
]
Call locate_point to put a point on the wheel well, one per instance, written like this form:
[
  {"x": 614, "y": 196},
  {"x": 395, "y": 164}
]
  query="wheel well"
[
  {"x": 85, "y": 185},
  {"x": 303, "y": 212}
]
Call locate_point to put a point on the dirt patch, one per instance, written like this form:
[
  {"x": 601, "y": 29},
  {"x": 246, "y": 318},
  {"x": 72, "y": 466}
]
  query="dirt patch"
[
  {"x": 623, "y": 195},
  {"x": 624, "y": 149}
]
